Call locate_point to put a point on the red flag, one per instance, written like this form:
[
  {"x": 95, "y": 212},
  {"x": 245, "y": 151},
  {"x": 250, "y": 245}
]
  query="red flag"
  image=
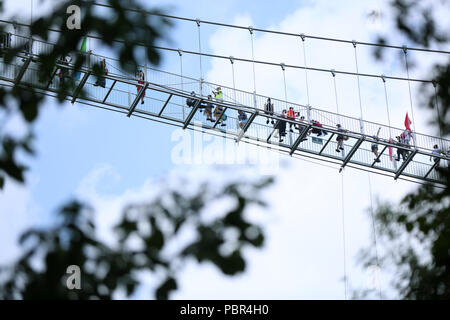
[
  {"x": 407, "y": 122},
  {"x": 390, "y": 149}
]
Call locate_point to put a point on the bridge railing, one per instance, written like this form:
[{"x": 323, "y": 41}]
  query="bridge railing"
[
  {"x": 327, "y": 118},
  {"x": 237, "y": 97}
]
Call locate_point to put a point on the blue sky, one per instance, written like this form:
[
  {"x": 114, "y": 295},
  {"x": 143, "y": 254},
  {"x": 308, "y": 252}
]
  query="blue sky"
[{"x": 106, "y": 158}]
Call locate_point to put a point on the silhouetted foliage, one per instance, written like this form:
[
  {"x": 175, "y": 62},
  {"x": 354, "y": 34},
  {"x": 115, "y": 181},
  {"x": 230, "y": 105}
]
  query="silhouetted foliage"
[
  {"x": 146, "y": 239},
  {"x": 40, "y": 272},
  {"x": 132, "y": 28},
  {"x": 415, "y": 234}
]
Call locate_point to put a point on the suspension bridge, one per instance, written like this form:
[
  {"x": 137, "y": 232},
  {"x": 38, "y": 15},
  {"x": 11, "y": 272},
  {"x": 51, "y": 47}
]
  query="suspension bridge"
[{"x": 164, "y": 96}]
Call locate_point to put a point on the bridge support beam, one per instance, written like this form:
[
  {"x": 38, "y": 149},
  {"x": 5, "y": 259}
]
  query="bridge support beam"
[
  {"x": 165, "y": 105},
  {"x": 109, "y": 91},
  {"x": 22, "y": 71},
  {"x": 379, "y": 156},
  {"x": 247, "y": 125},
  {"x": 299, "y": 139},
  {"x": 405, "y": 164},
  {"x": 192, "y": 113},
  {"x": 432, "y": 168},
  {"x": 352, "y": 152},
  {"x": 218, "y": 118},
  {"x": 136, "y": 100},
  {"x": 51, "y": 78},
  {"x": 80, "y": 86},
  {"x": 328, "y": 141}
]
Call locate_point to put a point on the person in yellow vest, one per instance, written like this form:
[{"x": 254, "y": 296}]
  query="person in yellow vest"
[{"x": 218, "y": 95}]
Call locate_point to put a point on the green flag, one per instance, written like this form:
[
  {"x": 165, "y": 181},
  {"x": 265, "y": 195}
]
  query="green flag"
[{"x": 83, "y": 45}]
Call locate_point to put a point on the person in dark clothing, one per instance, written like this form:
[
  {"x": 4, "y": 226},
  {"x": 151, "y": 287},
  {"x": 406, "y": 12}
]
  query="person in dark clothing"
[
  {"x": 190, "y": 102},
  {"x": 208, "y": 109},
  {"x": 280, "y": 125},
  {"x": 400, "y": 151},
  {"x": 268, "y": 109},
  {"x": 63, "y": 72},
  {"x": 5, "y": 42},
  {"x": 101, "y": 81}
]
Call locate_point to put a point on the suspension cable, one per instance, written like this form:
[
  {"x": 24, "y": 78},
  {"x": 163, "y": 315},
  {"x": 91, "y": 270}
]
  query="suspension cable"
[
  {"x": 200, "y": 55},
  {"x": 276, "y": 32},
  {"x": 241, "y": 59},
  {"x": 302, "y": 36},
  {"x": 343, "y": 235},
  {"x": 359, "y": 86},
  {"x": 377, "y": 261},
  {"x": 405, "y": 51}
]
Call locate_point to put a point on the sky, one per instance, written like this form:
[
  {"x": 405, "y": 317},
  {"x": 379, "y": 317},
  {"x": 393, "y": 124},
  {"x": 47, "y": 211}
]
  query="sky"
[{"x": 110, "y": 160}]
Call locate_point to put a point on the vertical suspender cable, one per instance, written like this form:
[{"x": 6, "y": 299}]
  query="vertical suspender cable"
[
  {"x": 343, "y": 235},
  {"x": 437, "y": 111},
  {"x": 302, "y": 36},
  {"x": 374, "y": 238},
  {"x": 284, "y": 81},
  {"x": 336, "y": 95},
  {"x": 342, "y": 195},
  {"x": 405, "y": 51},
  {"x": 232, "y": 74},
  {"x": 359, "y": 86},
  {"x": 200, "y": 56},
  {"x": 387, "y": 106},
  {"x": 181, "y": 78},
  {"x": 253, "y": 65}
]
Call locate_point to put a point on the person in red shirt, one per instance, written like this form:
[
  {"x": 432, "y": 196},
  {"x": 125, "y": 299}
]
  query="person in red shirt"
[
  {"x": 291, "y": 116},
  {"x": 317, "y": 130},
  {"x": 141, "y": 80}
]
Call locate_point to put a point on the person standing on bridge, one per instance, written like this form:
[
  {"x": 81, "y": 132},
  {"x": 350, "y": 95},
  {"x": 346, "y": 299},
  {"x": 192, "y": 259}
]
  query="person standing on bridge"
[
  {"x": 242, "y": 118},
  {"x": 374, "y": 146},
  {"x": 281, "y": 126},
  {"x": 208, "y": 109},
  {"x": 141, "y": 80},
  {"x": 268, "y": 109},
  {"x": 63, "y": 72},
  {"x": 340, "y": 138},
  {"x": 291, "y": 114},
  {"x": 400, "y": 150},
  {"x": 218, "y": 94},
  {"x": 190, "y": 102},
  {"x": 101, "y": 81},
  {"x": 435, "y": 154}
]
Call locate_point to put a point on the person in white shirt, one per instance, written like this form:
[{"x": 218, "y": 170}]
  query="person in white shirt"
[{"x": 436, "y": 152}]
